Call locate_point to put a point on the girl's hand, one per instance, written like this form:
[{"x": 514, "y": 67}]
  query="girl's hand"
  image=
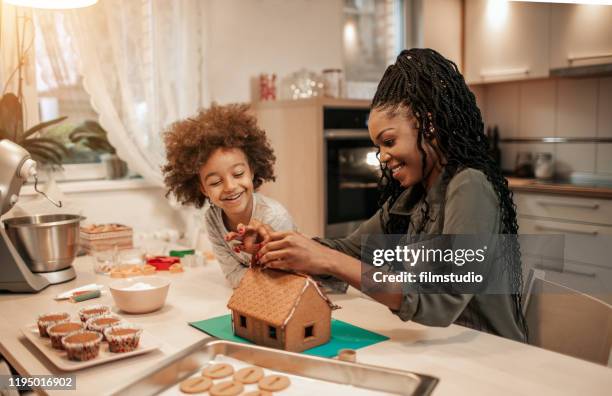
[
  {"x": 251, "y": 236},
  {"x": 296, "y": 252}
]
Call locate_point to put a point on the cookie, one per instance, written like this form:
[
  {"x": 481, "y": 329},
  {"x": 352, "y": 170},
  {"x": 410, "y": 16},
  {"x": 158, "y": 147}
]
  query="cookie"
[
  {"x": 175, "y": 268},
  {"x": 219, "y": 370},
  {"x": 249, "y": 375},
  {"x": 196, "y": 385},
  {"x": 227, "y": 388},
  {"x": 257, "y": 393},
  {"x": 274, "y": 383},
  {"x": 148, "y": 269}
]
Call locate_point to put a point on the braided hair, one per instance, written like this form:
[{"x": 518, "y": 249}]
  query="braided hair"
[{"x": 431, "y": 87}]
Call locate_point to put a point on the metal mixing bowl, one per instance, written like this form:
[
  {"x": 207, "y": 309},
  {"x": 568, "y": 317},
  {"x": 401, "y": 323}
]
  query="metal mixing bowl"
[{"x": 45, "y": 242}]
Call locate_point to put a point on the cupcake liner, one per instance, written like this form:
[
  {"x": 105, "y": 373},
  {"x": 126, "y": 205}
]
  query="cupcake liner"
[
  {"x": 105, "y": 310},
  {"x": 56, "y": 336},
  {"x": 43, "y": 325},
  {"x": 124, "y": 342},
  {"x": 82, "y": 350},
  {"x": 91, "y": 325}
]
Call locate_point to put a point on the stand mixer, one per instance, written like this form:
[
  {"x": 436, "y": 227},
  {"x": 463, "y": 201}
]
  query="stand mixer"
[{"x": 16, "y": 166}]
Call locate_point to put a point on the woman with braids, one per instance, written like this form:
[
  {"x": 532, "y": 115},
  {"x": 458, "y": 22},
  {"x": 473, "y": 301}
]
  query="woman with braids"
[{"x": 437, "y": 179}]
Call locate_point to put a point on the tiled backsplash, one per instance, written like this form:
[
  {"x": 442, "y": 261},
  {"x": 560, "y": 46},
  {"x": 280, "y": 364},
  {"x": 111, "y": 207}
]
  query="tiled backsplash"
[{"x": 568, "y": 108}]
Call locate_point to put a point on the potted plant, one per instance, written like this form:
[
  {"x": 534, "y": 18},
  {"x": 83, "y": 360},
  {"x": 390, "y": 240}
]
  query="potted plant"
[
  {"x": 93, "y": 136},
  {"x": 44, "y": 150}
]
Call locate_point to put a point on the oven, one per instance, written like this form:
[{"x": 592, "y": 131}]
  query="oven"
[{"x": 351, "y": 171}]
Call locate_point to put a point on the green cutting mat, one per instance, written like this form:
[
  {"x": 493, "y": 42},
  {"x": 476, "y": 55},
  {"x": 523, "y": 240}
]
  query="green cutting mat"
[{"x": 343, "y": 335}]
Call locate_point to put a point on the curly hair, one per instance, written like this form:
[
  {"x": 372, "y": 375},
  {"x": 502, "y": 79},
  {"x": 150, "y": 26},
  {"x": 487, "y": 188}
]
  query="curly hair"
[
  {"x": 436, "y": 94},
  {"x": 191, "y": 142}
]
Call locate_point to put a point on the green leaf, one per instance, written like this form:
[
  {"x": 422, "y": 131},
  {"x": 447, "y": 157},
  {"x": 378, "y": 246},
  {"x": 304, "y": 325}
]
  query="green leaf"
[
  {"x": 50, "y": 142},
  {"x": 99, "y": 145},
  {"x": 78, "y": 135},
  {"x": 49, "y": 150},
  {"x": 41, "y": 126},
  {"x": 44, "y": 155},
  {"x": 93, "y": 136}
]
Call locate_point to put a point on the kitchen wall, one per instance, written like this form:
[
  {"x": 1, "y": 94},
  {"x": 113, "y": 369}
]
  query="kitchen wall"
[
  {"x": 579, "y": 108},
  {"x": 246, "y": 38},
  {"x": 136, "y": 203}
]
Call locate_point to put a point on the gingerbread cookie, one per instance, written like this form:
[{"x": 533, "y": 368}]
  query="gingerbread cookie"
[
  {"x": 227, "y": 388},
  {"x": 249, "y": 375},
  {"x": 219, "y": 370},
  {"x": 274, "y": 383},
  {"x": 196, "y": 385}
]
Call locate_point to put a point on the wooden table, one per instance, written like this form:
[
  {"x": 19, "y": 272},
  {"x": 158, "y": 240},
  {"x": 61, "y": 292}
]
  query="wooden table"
[{"x": 467, "y": 362}]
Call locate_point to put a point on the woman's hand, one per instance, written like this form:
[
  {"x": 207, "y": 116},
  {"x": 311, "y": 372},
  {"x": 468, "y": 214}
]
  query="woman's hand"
[{"x": 296, "y": 252}]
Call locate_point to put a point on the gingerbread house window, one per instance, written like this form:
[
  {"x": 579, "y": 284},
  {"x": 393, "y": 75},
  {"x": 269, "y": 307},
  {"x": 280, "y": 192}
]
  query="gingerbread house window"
[
  {"x": 272, "y": 332},
  {"x": 243, "y": 322},
  {"x": 309, "y": 331}
]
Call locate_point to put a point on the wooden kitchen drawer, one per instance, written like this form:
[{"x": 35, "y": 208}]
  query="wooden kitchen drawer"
[
  {"x": 586, "y": 210},
  {"x": 583, "y": 243}
]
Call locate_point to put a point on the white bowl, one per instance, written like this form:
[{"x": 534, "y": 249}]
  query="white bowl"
[{"x": 141, "y": 294}]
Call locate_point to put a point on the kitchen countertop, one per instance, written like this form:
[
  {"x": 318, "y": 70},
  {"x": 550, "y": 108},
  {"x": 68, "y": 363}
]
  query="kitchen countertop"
[
  {"x": 467, "y": 362},
  {"x": 577, "y": 190}
]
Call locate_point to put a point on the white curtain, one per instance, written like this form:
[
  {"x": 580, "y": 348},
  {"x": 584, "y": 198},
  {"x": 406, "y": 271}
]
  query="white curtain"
[
  {"x": 142, "y": 63},
  {"x": 16, "y": 31}
]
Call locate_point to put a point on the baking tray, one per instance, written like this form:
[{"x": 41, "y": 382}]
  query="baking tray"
[{"x": 189, "y": 361}]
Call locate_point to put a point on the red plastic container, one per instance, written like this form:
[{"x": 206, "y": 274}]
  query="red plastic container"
[{"x": 163, "y": 263}]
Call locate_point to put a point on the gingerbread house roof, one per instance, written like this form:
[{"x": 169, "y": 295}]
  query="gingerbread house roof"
[{"x": 270, "y": 295}]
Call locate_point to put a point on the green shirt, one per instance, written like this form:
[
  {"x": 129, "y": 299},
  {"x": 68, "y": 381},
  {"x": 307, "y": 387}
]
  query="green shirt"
[{"x": 468, "y": 205}]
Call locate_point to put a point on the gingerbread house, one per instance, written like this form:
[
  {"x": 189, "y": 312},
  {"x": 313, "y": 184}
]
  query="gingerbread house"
[{"x": 281, "y": 310}]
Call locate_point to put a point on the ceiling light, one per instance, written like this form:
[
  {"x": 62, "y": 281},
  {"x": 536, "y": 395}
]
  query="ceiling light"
[
  {"x": 52, "y": 4},
  {"x": 597, "y": 2}
]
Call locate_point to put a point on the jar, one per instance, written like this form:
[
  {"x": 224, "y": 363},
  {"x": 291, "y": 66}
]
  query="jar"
[
  {"x": 544, "y": 166},
  {"x": 524, "y": 164},
  {"x": 104, "y": 261},
  {"x": 267, "y": 87},
  {"x": 332, "y": 83}
]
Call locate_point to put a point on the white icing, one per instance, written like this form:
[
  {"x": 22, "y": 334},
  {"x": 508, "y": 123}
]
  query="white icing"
[{"x": 139, "y": 286}]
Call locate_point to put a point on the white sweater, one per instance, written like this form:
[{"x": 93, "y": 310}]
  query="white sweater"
[{"x": 233, "y": 264}]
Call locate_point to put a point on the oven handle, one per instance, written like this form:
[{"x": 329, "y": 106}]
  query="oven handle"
[
  {"x": 351, "y": 185},
  {"x": 340, "y": 134}
]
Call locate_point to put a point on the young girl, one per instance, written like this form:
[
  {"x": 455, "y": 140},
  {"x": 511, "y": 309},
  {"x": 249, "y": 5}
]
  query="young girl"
[
  {"x": 438, "y": 179},
  {"x": 222, "y": 157}
]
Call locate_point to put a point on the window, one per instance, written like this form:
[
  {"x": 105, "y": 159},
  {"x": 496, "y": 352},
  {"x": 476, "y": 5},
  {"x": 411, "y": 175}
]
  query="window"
[
  {"x": 272, "y": 332},
  {"x": 60, "y": 93},
  {"x": 243, "y": 322},
  {"x": 373, "y": 35},
  {"x": 309, "y": 331}
]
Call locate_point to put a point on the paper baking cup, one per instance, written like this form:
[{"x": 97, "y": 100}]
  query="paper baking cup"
[
  {"x": 56, "y": 336},
  {"x": 82, "y": 350},
  {"x": 43, "y": 325},
  {"x": 91, "y": 325},
  {"x": 125, "y": 342},
  {"x": 86, "y": 316}
]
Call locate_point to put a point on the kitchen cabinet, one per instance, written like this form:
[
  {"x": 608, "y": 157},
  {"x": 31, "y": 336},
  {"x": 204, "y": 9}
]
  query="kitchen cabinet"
[
  {"x": 581, "y": 35},
  {"x": 565, "y": 208},
  {"x": 580, "y": 260},
  {"x": 506, "y": 41}
]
